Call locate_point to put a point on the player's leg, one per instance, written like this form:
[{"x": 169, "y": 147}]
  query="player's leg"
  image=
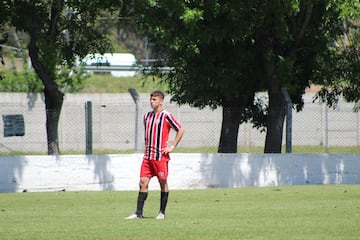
[
  {"x": 145, "y": 175},
  {"x": 142, "y": 196},
  {"x": 164, "y": 193},
  {"x": 146, "y": 172}
]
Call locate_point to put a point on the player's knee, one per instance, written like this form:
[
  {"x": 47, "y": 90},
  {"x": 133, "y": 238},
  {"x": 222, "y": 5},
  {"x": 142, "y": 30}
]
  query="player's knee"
[
  {"x": 143, "y": 184},
  {"x": 162, "y": 182}
]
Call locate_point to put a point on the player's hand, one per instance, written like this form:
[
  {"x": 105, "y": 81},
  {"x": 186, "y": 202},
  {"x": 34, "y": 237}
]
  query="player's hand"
[{"x": 167, "y": 150}]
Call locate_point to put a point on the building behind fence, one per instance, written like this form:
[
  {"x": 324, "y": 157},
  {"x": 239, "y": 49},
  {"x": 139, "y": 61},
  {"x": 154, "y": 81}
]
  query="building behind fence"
[{"x": 114, "y": 123}]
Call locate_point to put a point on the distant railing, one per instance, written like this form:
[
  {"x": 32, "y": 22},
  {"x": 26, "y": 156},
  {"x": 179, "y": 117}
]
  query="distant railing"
[{"x": 132, "y": 68}]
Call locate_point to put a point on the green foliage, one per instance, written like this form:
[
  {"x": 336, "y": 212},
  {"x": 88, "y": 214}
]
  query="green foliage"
[
  {"x": 339, "y": 66},
  {"x": 23, "y": 81},
  {"x": 28, "y": 81},
  {"x": 192, "y": 15},
  {"x": 61, "y": 32},
  {"x": 349, "y": 9},
  {"x": 218, "y": 47},
  {"x": 224, "y": 52},
  {"x": 201, "y": 41},
  {"x": 70, "y": 79}
]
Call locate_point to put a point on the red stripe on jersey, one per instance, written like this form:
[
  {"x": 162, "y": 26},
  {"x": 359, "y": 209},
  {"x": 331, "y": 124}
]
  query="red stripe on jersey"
[{"x": 157, "y": 128}]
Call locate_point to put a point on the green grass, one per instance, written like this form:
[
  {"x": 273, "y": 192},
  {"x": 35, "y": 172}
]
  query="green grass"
[
  {"x": 105, "y": 83},
  {"x": 290, "y": 212}
]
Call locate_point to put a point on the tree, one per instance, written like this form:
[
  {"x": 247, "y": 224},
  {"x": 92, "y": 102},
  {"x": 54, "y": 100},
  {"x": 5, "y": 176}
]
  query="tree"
[
  {"x": 339, "y": 66},
  {"x": 4, "y": 18},
  {"x": 59, "y": 31},
  {"x": 291, "y": 35},
  {"x": 225, "y": 51},
  {"x": 207, "y": 43}
]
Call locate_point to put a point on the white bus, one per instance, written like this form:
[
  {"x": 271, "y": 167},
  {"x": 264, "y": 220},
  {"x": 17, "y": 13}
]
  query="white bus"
[{"x": 118, "y": 64}]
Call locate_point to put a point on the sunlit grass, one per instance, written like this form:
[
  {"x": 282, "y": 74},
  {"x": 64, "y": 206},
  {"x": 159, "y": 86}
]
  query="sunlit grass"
[
  {"x": 105, "y": 83},
  {"x": 293, "y": 212}
]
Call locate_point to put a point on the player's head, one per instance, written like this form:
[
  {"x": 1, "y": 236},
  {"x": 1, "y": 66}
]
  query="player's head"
[
  {"x": 156, "y": 100},
  {"x": 157, "y": 93}
]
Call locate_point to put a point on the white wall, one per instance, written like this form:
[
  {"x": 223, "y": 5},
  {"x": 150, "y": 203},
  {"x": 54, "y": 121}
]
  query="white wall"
[{"x": 187, "y": 171}]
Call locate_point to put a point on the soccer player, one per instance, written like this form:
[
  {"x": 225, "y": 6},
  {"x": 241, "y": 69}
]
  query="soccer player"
[{"x": 158, "y": 124}]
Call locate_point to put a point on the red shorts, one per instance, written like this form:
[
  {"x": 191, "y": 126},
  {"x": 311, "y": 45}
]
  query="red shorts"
[{"x": 151, "y": 168}]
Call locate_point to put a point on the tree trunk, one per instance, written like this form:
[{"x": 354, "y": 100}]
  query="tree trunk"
[
  {"x": 53, "y": 98},
  {"x": 277, "y": 110},
  {"x": 275, "y": 122},
  {"x": 53, "y": 105},
  {"x": 230, "y": 128},
  {"x": 277, "y": 107}
]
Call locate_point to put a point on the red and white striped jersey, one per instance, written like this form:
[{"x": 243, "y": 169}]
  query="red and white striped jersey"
[{"x": 157, "y": 129}]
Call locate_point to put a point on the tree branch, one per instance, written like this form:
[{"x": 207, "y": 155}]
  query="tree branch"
[
  {"x": 56, "y": 9},
  {"x": 300, "y": 34}
]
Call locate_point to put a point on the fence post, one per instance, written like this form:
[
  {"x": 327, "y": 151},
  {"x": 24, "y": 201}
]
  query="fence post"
[
  {"x": 288, "y": 120},
  {"x": 357, "y": 128},
  {"x": 88, "y": 127},
  {"x": 138, "y": 123},
  {"x": 326, "y": 129}
]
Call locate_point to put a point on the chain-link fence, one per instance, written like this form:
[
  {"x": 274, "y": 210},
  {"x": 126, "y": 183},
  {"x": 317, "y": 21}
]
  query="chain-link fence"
[{"x": 113, "y": 116}]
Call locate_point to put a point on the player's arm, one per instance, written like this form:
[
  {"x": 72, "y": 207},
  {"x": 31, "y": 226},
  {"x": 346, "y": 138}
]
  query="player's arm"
[
  {"x": 177, "y": 139},
  {"x": 178, "y": 136}
]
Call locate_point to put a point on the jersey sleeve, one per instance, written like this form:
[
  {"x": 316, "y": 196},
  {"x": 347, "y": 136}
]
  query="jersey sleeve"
[{"x": 174, "y": 123}]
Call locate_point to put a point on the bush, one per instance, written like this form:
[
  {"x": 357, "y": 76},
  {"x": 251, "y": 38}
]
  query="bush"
[{"x": 22, "y": 81}]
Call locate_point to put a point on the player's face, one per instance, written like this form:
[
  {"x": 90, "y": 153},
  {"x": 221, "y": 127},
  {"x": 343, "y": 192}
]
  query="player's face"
[{"x": 156, "y": 102}]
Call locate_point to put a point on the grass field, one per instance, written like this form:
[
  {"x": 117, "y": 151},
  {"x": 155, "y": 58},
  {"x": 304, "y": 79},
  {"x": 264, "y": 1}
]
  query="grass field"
[
  {"x": 105, "y": 83},
  {"x": 291, "y": 212}
]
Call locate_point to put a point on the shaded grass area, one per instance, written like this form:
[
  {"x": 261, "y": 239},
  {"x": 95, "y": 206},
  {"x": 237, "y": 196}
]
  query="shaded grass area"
[{"x": 290, "y": 212}]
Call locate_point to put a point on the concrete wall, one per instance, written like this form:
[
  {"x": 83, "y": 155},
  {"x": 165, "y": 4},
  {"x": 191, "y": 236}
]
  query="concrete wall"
[{"x": 187, "y": 171}]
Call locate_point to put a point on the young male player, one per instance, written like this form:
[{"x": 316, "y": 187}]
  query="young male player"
[{"x": 158, "y": 123}]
